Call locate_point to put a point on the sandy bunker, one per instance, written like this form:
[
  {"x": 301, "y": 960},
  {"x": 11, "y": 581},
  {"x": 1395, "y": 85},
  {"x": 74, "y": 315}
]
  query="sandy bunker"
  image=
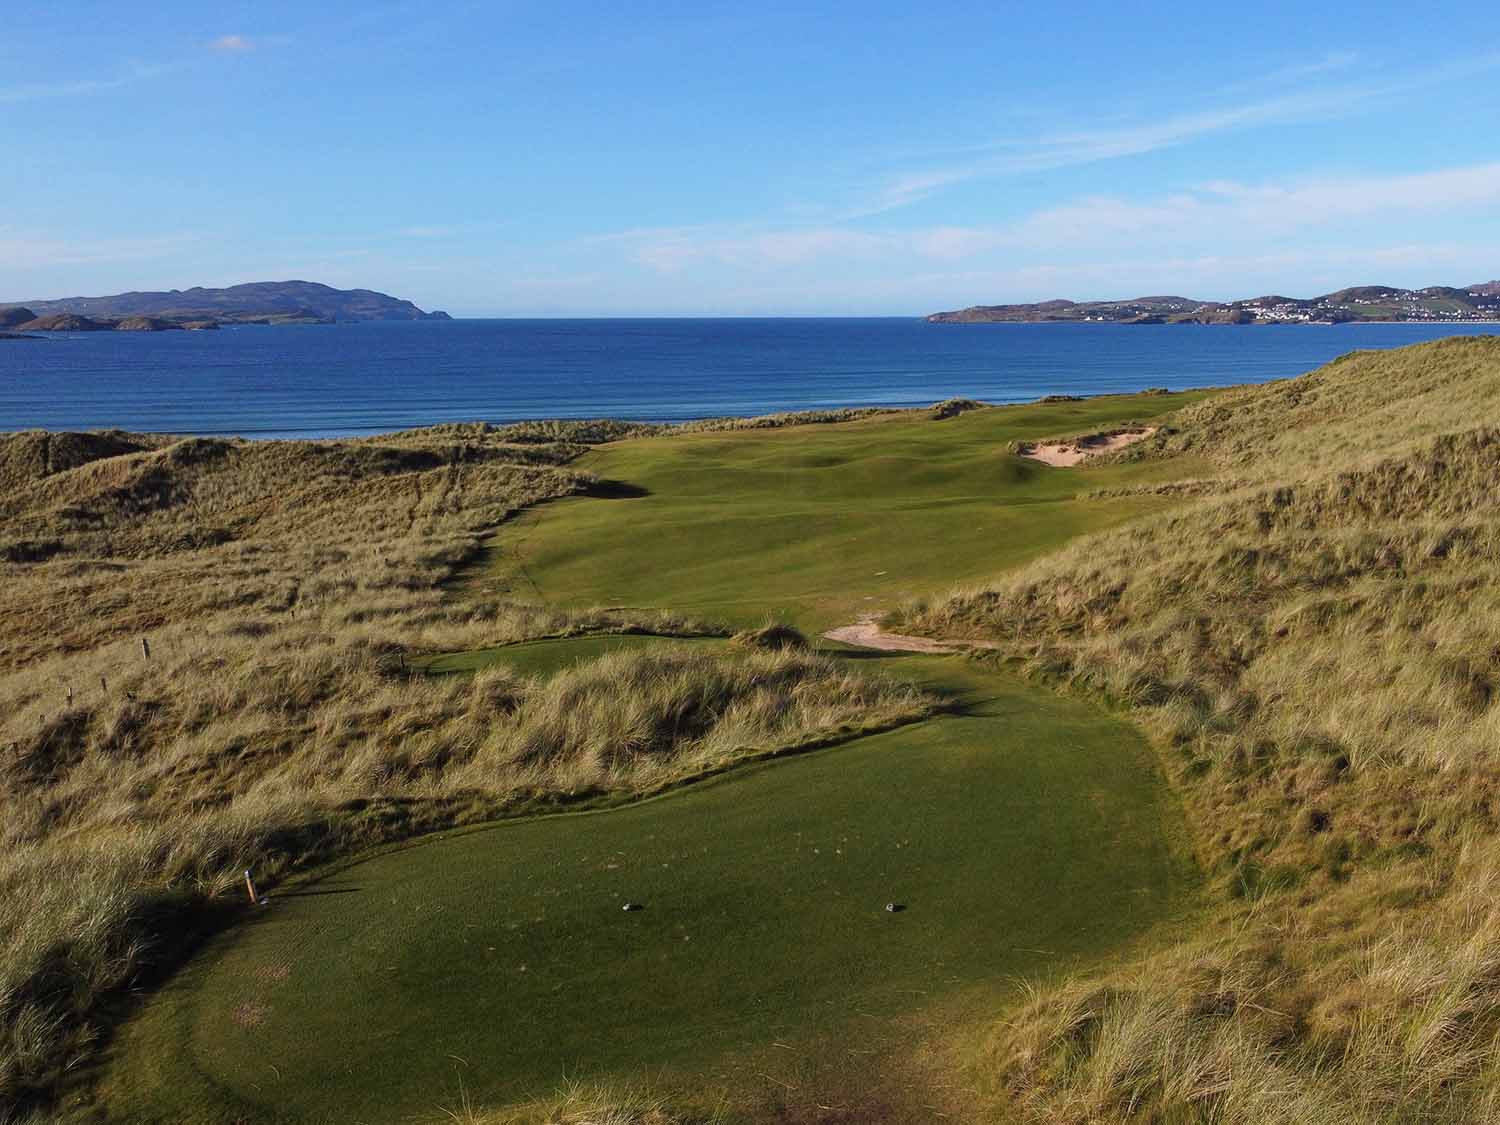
[
  {"x": 867, "y": 633},
  {"x": 1063, "y": 454}
]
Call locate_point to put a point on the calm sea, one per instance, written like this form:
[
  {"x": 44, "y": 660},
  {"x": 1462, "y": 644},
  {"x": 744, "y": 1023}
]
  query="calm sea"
[{"x": 368, "y": 378}]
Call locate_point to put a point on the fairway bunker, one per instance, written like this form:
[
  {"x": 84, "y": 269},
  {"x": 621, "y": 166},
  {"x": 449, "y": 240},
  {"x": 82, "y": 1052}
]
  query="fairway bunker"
[
  {"x": 868, "y": 633},
  {"x": 1066, "y": 454}
]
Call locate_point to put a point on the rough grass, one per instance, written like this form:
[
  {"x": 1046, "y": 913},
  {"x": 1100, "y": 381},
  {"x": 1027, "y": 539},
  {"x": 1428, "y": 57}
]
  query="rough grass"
[
  {"x": 1319, "y": 652},
  {"x": 578, "y": 1104},
  {"x": 773, "y": 635},
  {"x": 205, "y": 665},
  {"x": 602, "y": 430}
]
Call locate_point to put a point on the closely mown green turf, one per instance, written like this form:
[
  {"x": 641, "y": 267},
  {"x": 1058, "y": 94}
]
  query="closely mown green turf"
[
  {"x": 819, "y": 523},
  {"x": 1024, "y": 833},
  {"x": 542, "y": 658}
]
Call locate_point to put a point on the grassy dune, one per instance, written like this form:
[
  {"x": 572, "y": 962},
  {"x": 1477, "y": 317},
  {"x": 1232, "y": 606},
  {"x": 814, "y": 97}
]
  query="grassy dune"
[{"x": 1318, "y": 652}]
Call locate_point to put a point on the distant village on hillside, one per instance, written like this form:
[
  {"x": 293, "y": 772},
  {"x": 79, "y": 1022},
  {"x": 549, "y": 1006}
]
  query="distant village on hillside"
[{"x": 1435, "y": 304}]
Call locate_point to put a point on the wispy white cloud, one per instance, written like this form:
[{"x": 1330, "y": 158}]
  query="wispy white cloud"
[
  {"x": 671, "y": 253},
  {"x": 1222, "y": 276},
  {"x": 1331, "y": 62},
  {"x": 447, "y": 232},
  {"x": 78, "y": 87},
  {"x": 1227, "y": 211},
  {"x": 128, "y": 75},
  {"x": 1206, "y": 276},
  {"x": 1070, "y": 148},
  {"x": 26, "y": 251},
  {"x": 1224, "y": 214},
  {"x": 1089, "y": 146},
  {"x": 912, "y": 187},
  {"x": 1053, "y": 151}
]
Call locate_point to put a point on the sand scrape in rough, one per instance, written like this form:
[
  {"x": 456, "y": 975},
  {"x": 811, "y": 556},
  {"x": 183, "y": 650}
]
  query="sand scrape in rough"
[
  {"x": 867, "y": 633},
  {"x": 1065, "y": 454}
]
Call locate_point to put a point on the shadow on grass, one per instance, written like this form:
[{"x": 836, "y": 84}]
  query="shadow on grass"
[
  {"x": 952, "y": 701},
  {"x": 615, "y": 490},
  {"x": 863, "y": 654},
  {"x": 967, "y": 703},
  {"x": 328, "y": 891},
  {"x": 182, "y": 925}
]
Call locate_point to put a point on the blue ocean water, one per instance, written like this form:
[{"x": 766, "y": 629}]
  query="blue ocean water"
[{"x": 368, "y": 378}]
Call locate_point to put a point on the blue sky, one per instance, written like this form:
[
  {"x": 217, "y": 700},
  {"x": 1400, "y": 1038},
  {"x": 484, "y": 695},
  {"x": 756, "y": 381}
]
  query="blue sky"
[{"x": 662, "y": 158}]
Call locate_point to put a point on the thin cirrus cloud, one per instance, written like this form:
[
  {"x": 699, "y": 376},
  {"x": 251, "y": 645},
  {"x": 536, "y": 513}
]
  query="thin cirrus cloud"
[
  {"x": 26, "y": 251},
  {"x": 426, "y": 232},
  {"x": 1253, "y": 212},
  {"x": 128, "y": 76},
  {"x": 1257, "y": 211},
  {"x": 1328, "y": 267},
  {"x": 1065, "y": 150},
  {"x": 1078, "y": 147},
  {"x": 1208, "y": 276},
  {"x": 1069, "y": 149},
  {"x": 1330, "y": 63},
  {"x": 673, "y": 251},
  {"x": 232, "y": 43},
  {"x": 81, "y": 87}
]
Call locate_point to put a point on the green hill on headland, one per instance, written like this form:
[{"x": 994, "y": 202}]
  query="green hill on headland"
[{"x": 263, "y": 302}]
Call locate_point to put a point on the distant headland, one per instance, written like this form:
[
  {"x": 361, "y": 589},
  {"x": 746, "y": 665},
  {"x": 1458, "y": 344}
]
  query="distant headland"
[
  {"x": 260, "y": 302},
  {"x": 1437, "y": 304}
]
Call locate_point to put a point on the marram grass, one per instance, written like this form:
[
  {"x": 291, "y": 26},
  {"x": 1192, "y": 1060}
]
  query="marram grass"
[{"x": 1317, "y": 650}]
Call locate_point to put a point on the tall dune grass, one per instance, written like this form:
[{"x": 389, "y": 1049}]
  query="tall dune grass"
[
  {"x": 578, "y": 1104},
  {"x": 1318, "y": 654}
]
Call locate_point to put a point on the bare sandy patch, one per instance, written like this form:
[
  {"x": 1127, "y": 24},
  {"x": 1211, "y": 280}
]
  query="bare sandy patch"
[
  {"x": 251, "y": 1013},
  {"x": 867, "y": 633},
  {"x": 1065, "y": 454}
]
